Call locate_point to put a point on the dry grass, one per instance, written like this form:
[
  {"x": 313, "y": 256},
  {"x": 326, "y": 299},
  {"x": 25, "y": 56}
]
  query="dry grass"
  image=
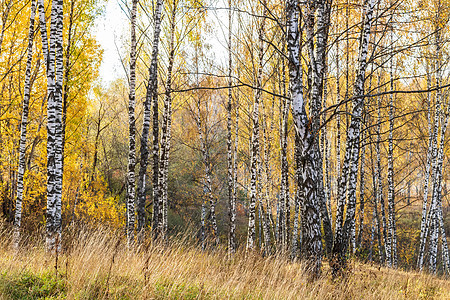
[{"x": 98, "y": 265}]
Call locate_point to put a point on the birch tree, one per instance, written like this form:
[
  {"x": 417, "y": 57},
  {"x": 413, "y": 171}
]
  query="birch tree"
[
  {"x": 230, "y": 164},
  {"x": 362, "y": 198},
  {"x": 317, "y": 64},
  {"x": 167, "y": 122},
  {"x": 151, "y": 106},
  {"x": 311, "y": 235},
  {"x": 392, "y": 236},
  {"x": 54, "y": 127},
  {"x": 255, "y": 147},
  {"x": 208, "y": 196},
  {"x": 23, "y": 128},
  {"x": 432, "y": 223},
  {"x": 350, "y": 167},
  {"x": 132, "y": 130},
  {"x": 379, "y": 171}
]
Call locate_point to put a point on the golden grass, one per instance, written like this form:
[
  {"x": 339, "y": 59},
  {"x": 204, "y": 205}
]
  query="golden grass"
[{"x": 98, "y": 265}]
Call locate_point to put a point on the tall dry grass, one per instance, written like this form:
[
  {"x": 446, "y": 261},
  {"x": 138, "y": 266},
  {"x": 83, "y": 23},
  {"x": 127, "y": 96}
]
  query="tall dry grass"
[{"x": 98, "y": 265}]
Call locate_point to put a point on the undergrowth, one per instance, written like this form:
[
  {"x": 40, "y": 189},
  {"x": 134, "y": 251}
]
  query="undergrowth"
[{"x": 98, "y": 265}]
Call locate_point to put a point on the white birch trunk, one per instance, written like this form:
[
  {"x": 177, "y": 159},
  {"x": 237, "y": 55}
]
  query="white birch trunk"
[
  {"x": 54, "y": 128},
  {"x": 340, "y": 245},
  {"x": 362, "y": 199},
  {"x": 392, "y": 241},
  {"x": 436, "y": 203},
  {"x": 132, "y": 132},
  {"x": 318, "y": 70},
  {"x": 431, "y": 217},
  {"x": 235, "y": 165},
  {"x": 431, "y": 144},
  {"x": 166, "y": 126},
  {"x": 23, "y": 129},
  {"x": 284, "y": 188},
  {"x": 255, "y": 149},
  {"x": 230, "y": 163},
  {"x": 207, "y": 184},
  {"x": 380, "y": 194},
  {"x": 338, "y": 125},
  {"x": 151, "y": 104},
  {"x": 311, "y": 235},
  {"x": 295, "y": 240}
]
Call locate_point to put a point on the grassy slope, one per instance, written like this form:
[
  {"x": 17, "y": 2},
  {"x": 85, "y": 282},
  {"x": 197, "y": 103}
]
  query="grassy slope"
[{"x": 100, "y": 267}]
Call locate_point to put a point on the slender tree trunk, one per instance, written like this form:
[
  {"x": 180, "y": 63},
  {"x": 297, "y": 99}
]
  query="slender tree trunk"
[
  {"x": 380, "y": 196},
  {"x": 268, "y": 174},
  {"x": 375, "y": 218},
  {"x": 436, "y": 202},
  {"x": 151, "y": 104},
  {"x": 340, "y": 245},
  {"x": 207, "y": 184},
  {"x": 328, "y": 176},
  {"x": 392, "y": 240},
  {"x": 235, "y": 165},
  {"x": 295, "y": 243},
  {"x": 132, "y": 131},
  {"x": 165, "y": 184},
  {"x": 445, "y": 251},
  {"x": 166, "y": 124},
  {"x": 362, "y": 199},
  {"x": 338, "y": 124},
  {"x": 23, "y": 129},
  {"x": 372, "y": 237},
  {"x": 430, "y": 219},
  {"x": 281, "y": 203},
  {"x": 54, "y": 127},
  {"x": 230, "y": 163},
  {"x": 255, "y": 148},
  {"x": 284, "y": 191},
  {"x": 263, "y": 226},
  {"x": 431, "y": 146},
  {"x": 263, "y": 217},
  {"x": 439, "y": 215},
  {"x": 44, "y": 34}
]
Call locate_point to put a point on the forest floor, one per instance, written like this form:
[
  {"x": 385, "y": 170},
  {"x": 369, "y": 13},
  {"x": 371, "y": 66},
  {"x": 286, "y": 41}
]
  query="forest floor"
[{"x": 98, "y": 265}]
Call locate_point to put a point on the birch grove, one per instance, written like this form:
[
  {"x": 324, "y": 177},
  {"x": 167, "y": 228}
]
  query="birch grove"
[{"x": 311, "y": 130}]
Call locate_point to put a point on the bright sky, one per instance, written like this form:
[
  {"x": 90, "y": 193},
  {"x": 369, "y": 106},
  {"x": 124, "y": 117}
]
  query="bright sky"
[{"x": 111, "y": 30}]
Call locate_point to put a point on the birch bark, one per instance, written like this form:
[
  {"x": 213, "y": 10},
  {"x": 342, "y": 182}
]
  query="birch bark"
[
  {"x": 255, "y": 148},
  {"x": 392, "y": 240},
  {"x": 132, "y": 131},
  {"x": 151, "y": 104},
  {"x": 340, "y": 245},
  {"x": 317, "y": 57},
  {"x": 362, "y": 199},
  {"x": 431, "y": 216},
  {"x": 23, "y": 129},
  {"x": 230, "y": 163},
  {"x": 307, "y": 184},
  {"x": 380, "y": 195},
  {"x": 54, "y": 127},
  {"x": 167, "y": 124},
  {"x": 431, "y": 144}
]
